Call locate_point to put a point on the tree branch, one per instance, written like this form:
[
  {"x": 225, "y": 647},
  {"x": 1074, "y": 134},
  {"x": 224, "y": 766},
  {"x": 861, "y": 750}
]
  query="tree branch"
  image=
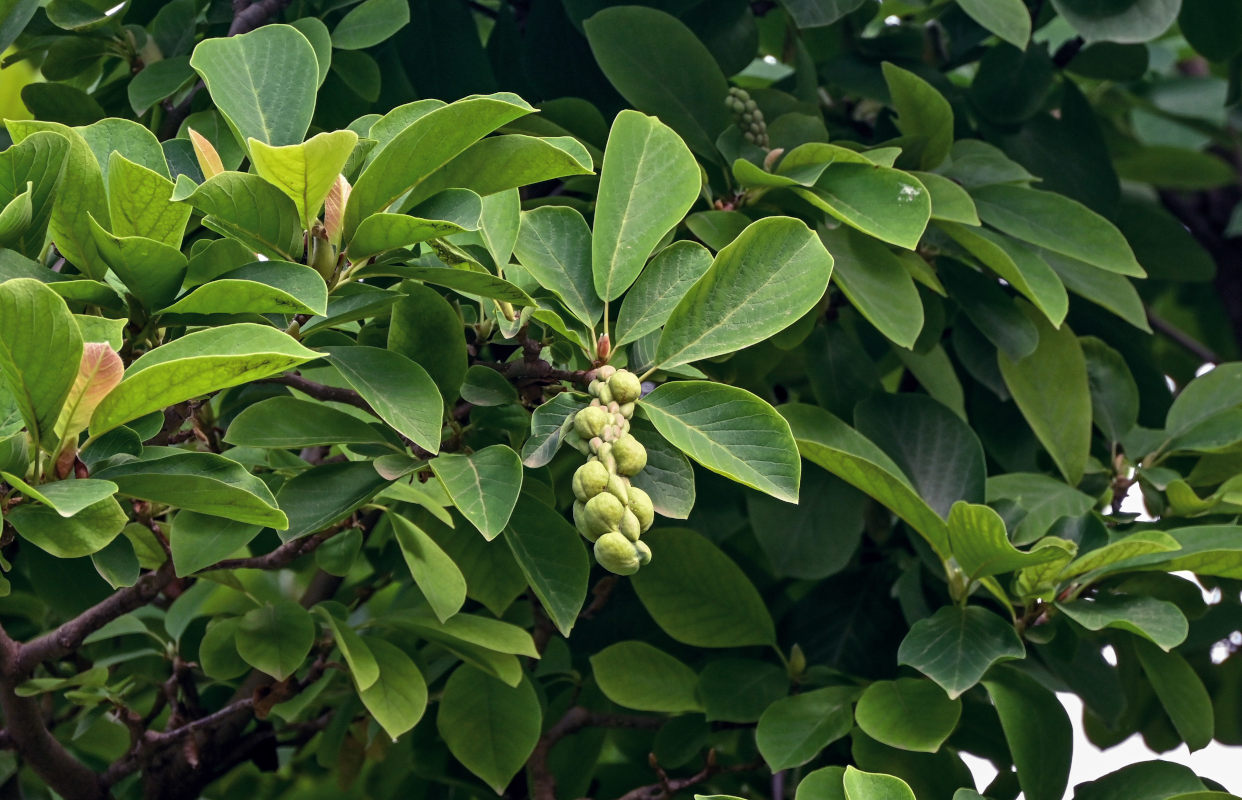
[
  {"x": 321, "y": 391},
  {"x": 1181, "y": 338},
  {"x": 575, "y": 719},
  {"x": 667, "y": 787},
  {"x": 539, "y": 369}
]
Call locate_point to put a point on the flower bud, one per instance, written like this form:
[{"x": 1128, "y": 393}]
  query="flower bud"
[
  {"x": 617, "y": 554},
  {"x": 625, "y": 386},
  {"x": 591, "y": 421},
  {"x": 631, "y": 456}
]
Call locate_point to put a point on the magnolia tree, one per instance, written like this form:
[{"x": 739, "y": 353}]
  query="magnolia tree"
[{"x": 562, "y": 399}]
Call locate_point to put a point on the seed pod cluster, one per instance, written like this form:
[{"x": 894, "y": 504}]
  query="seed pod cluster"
[
  {"x": 608, "y": 510},
  {"x": 748, "y": 117}
]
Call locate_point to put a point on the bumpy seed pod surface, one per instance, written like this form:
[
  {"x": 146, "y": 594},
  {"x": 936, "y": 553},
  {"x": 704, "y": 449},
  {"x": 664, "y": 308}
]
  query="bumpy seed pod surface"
[
  {"x": 590, "y": 479},
  {"x": 631, "y": 456},
  {"x": 618, "y": 554},
  {"x": 625, "y": 386},
  {"x": 644, "y": 553},
  {"x": 603, "y": 513},
  {"x": 630, "y": 526},
  {"x": 642, "y": 507},
  {"x": 591, "y": 421}
]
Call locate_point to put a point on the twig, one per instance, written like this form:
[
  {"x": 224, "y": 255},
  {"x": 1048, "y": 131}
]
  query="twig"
[
  {"x": 321, "y": 391},
  {"x": 667, "y": 787},
  {"x": 575, "y": 719},
  {"x": 1182, "y": 339}
]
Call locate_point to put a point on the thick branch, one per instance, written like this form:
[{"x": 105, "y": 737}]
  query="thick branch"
[
  {"x": 321, "y": 391},
  {"x": 667, "y": 787},
  {"x": 539, "y": 369},
  {"x": 282, "y": 556},
  {"x": 23, "y": 720},
  {"x": 257, "y": 14},
  {"x": 69, "y": 636}
]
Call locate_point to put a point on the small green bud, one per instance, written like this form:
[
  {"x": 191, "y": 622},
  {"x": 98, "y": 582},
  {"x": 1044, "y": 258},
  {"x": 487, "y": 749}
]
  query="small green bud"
[
  {"x": 640, "y": 503},
  {"x": 631, "y": 456},
  {"x": 591, "y": 421},
  {"x": 625, "y": 386},
  {"x": 630, "y": 526},
  {"x": 603, "y": 513},
  {"x": 617, "y": 554},
  {"x": 644, "y": 553},
  {"x": 590, "y": 479}
]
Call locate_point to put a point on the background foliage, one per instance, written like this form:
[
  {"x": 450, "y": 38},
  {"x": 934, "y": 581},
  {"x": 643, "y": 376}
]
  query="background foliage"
[{"x": 298, "y": 301}]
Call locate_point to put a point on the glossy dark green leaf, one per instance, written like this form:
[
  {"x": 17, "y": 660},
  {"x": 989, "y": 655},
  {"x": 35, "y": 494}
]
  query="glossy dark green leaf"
[
  {"x": 200, "y": 540},
  {"x": 1158, "y": 620},
  {"x": 552, "y": 557},
  {"x": 400, "y": 391},
  {"x": 489, "y": 727},
  {"x": 288, "y": 422},
  {"x": 324, "y": 494},
  {"x": 793, "y": 730},
  {"x": 740, "y": 690},
  {"x": 956, "y": 646},
  {"x": 819, "y": 536},
  {"x": 1181, "y": 692},
  {"x": 908, "y": 714},
  {"x": 1038, "y": 732},
  {"x": 483, "y": 485},
  {"x": 370, "y": 23},
  {"x": 554, "y": 244},
  {"x": 923, "y": 115}
]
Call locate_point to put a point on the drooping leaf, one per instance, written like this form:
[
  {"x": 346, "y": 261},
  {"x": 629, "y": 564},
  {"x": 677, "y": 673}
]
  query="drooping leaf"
[
  {"x": 1181, "y": 692},
  {"x": 437, "y": 577},
  {"x": 400, "y": 391},
  {"x": 370, "y": 23},
  {"x": 489, "y": 727},
  {"x": 875, "y": 282},
  {"x": 550, "y": 553},
  {"x": 304, "y": 171},
  {"x": 880, "y": 201},
  {"x": 1038, "y": 732},
  {"x": 923, "y": 115},
  {"x": 398, "y": 697}
]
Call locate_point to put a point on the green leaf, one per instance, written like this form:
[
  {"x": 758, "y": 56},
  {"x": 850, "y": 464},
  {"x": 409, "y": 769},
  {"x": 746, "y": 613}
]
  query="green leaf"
[
  {"x": 698, "y": 595},
  {"x": 304, "y": 171},
  {"x": 827, "y": 441},
  {"x": 152, "y": 271},
  {"x": 875, "y": 282},
  {"x": 370, "y": 23},
  {"x": 276, "y": 637},
  {"x": 1156, "y": 620},
  {"x": 247, "y": 208},
  {"x": 879, "y": 201},
  {"x": 740, "y": 690},
  {"x": 118, "y": 563},
  {"x": 795, "y": 729},
  {"x": 79, "y": 196},
  {"x": 1057, "y": 223},
  {"x": 492, "y": 634},
  {"x": 400, "y": 391},
  {"x": 1008, "y": 19},
  {"x": 1038, "y": 731},
  {"x": 981, "y": 546},
  {"x": 363, "y": 665},
  {"x": 287, "y": 422},
  {"x": 321, "y": 495},
  {"x": 660, "y": 66},
  {"x": 469, "y": 280},
  {"x": 1114, "y": 393},
  {"x": 437, "y": 577},
  {"x": 551, "y": 555},
  {"x": 668, "y": 477},
  {"x": 1019, "y": 265},
  {"x": 200, "y": 540},
  {"x": 138, "y": 203},
  {"x": 1043, "y": 498},
  {"x": 795, "y": 540},
  {"x": 909, "y": 714},
  {"x": 1181, "y": 692},
  {"x": 264, "y": 287},
  {"x": 202, "y": 482},
  {"x": 1205, "y": 397},
  {"x": 949, "y": 200},
  {"x": 548, "y": 424},
  {"x": 1212, "y": 29},
  {"x": 40, "y": 350},
  {"x": 930, "y": 444},
  {"x": 66, "y": 497},
  {"x": 484, "y": 386},
  {"x": 1119, "y": 21},
  {"x": 489, "y": 727},
  {"x": 765, "y": 280},
  {"x": 861, "y": 785},
  {"x": 484, "y": 485},
  {"x": 1145, "y": 780},
  {"x": 197, "y": 364},
  {"x": 15, "y": 14},
  {"x": 380, "y": 233},
  {"x": 659, "y": 288},
  {"x": 648, "y": 182},
  {"x": 157, "y": 81},
  {"x": 924, "y": 116},
  {"x": 637, "y": 675},
  {"x": 398, "y": 698},
  {"x": 424, "y": 146},
  {"x": 825, "y": 783},
  {"x": 956, "y": 646},
  {"x": 263, "y": 82},
  {"x": 730, "y": 431},
  {"x": 820, "y": 13},
  {"x": 86, "y": 532},
  {"x": 31, "y": 173},
  {"x": 426, "y": 329},
  {"x": 554, "y": 244},
  {"x": 1061, "y": 420}
]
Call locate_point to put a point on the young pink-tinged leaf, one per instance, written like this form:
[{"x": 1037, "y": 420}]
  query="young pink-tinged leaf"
[
  {"x": 334, "y": 209},
  {"x": 100, "y": 371},
  {"x": 208, "y": 159}
]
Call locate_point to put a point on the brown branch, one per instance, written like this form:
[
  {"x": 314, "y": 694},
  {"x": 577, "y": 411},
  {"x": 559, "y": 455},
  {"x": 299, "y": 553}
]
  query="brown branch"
[
  {"x": 1181, "y": 338},
  {"x": 540, "y": 370},
  {"x": 69, "y": 636},
  {"x": 667, "y": 787},
  {"x": 321, "y": 391},
  {"x": 23, "y": 718},
  {"x": 284, "y": 555},
  {"x": 575, "y": 719}
]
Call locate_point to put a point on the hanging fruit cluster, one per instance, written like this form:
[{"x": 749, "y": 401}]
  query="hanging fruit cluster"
[
  {"x": 608, "y": 510},
  {"x": 748, "y": 117}
]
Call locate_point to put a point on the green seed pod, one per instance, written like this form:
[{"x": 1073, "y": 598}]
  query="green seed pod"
[
  {"x": 630, "y": 526},
  {"x": 750, "y": 137},
  {"x": 580, "y": 522},
  {"x": 616, "y": 553},
  {"x": 605, "y": 372},
  {"x": 644, "y": 553},
  {"x": 642, "y": 507},
  {"x": 605, "y": 394},
  {"x": 631, "y": 456},
  {"x": 590, "y": 479},
  {"x": 626, "y": 410},
  {"x": 619, "y": 488},
  {"x": 625, "y": 386},
  {"x": 591, "y": 421},
  {"x": 603, "y": 513}
]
